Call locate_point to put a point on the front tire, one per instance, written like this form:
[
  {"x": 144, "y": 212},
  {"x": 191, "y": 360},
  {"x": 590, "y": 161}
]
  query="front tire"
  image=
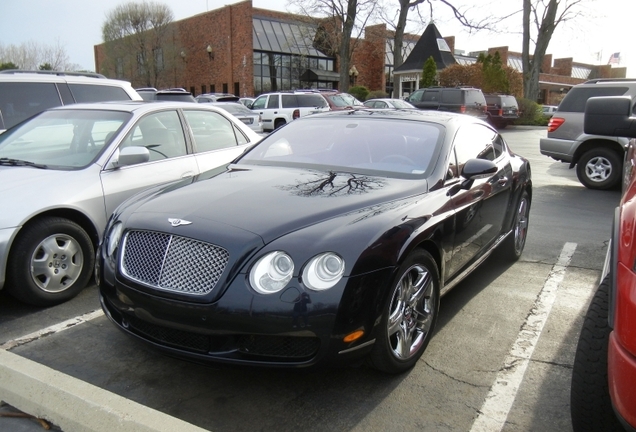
[
  {"x": 50, "y": 262},
  {"x": 599, "y": 168},
  {"x": 590, "y": 403},
  {"x": 409, "y": 317}
]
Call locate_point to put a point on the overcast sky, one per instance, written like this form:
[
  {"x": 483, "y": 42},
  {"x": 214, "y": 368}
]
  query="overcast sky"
[{"x": 76, "y": 25}]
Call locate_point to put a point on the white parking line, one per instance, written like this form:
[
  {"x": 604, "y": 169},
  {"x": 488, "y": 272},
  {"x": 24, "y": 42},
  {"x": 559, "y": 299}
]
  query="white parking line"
[
  {"x": 65, "y": 325},
  {"x": 494, "y": 411}
]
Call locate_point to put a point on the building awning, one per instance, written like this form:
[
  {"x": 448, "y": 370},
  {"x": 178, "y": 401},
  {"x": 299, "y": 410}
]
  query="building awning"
[{"x": 315, "y": 75}]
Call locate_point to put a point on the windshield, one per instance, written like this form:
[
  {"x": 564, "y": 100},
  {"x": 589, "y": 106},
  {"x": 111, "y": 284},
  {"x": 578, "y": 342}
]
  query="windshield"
[
  {"x": 373, "y": 146},
  {"x": 62, "y": 139}
]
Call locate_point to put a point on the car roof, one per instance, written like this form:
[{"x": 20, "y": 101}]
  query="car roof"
[
  {"x": 132, "y": 106},
  {"x": 403, "y": 114}
]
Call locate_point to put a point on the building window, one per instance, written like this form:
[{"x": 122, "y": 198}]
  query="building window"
[
  {"x": 203, "y": 89},
  {"x": 141, "y": 64},
  {"x": 236, "y": 89},
  {"x": 212, "y": 90},
  {"x": 224, "y": 87},
  {"x": 192, "y": 90}
]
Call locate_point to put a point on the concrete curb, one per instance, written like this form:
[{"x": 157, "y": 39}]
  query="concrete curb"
[{"x": 74, "y": 405}]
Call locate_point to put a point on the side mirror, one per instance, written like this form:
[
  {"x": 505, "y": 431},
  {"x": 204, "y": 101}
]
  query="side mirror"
[
  {"x": 132, "y": 156},
  {"x": 478, "y": 168},
  {"x": 610, "y": 116}
]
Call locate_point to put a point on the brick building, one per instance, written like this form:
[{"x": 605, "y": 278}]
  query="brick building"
[{"x": 249, "y": 51}]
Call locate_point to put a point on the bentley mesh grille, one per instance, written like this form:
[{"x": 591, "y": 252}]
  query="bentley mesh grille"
[{"x": 172, "y": 263}]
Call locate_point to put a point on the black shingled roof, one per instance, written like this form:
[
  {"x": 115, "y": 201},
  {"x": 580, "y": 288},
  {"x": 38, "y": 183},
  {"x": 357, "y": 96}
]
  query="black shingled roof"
[{"x": 426, "y": 47}]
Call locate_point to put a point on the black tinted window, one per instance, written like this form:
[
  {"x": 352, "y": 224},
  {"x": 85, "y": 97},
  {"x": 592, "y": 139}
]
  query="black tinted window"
[
  {"x": 474, "y": 97},
  {"x": 576, "y": 98},
  {"x": 97, "y": 93},
  {"x": 19, "y": 101},
  {"x": 452, "y": 96},
  {"x": 311, "y": 100},
  {"x": 431, "y": 96},
  {"x": 273, "y": 101}
]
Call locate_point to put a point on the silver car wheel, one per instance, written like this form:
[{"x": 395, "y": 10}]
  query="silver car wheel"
[
  {"x": 598, "y": 169},
  {"x": 56, "y": 263},
  {"x": 411, "y": 314},
  {"x": 521, "y": 224}
]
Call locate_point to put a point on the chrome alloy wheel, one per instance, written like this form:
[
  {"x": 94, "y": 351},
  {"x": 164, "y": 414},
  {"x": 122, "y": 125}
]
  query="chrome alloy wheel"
[
  {"x": 56, "y": 263},
  {"x": 598, "y": 169},
  {"x": 520, "y": 230},
  {"x": 411, "y": 314}
]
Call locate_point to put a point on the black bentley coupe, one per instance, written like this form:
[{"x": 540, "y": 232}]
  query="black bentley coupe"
[{"x": 330, "y": 241}]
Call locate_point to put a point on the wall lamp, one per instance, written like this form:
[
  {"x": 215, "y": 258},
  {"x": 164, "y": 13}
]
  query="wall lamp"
[{"x": 210, "y": 52}]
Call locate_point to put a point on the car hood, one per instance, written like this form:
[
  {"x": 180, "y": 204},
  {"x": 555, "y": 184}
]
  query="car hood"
[{"x": 273, "y": 201}]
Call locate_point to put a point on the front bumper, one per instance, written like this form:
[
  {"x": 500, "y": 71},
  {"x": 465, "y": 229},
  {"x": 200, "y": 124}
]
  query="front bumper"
[
  {"x": 6, "y": 238},
  {"x": 243, "y": 327}
]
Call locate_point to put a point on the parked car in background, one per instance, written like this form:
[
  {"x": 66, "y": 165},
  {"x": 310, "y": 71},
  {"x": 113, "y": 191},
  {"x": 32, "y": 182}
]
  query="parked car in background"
[
  {"x": 503, "y": 110},
  {"x": 247, "y": 101},
  {"x": 604, "y": 371},
  {"x": 388, "y": 103},
  {"x": 549, "y": 110},
  {"x": 340, "y": 101},
  {"x": 26, "y": 93},
  {"x": 317, "y": 246},
  {"x": 64, "y": 171},
  {"x": 173, "y": 94},
  {"x": 217, "y": 97},
  {"x": 243, "y": 113},
  {"x": 278, "y": 109},
  {"x": 464, "y": 100},
  {"x": 598, "y": 158}
]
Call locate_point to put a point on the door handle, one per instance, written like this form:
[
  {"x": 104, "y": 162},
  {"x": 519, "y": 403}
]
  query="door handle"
[
  {"x": 502, "y": 181},
  {"x": 187, "y": 174}
]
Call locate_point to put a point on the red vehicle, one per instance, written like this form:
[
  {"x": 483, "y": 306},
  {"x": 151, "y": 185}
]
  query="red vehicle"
[{"x": 603, "y": 393}]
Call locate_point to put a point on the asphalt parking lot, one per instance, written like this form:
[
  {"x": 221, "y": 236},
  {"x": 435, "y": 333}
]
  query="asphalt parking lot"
[{"x": 501, "y": 357}]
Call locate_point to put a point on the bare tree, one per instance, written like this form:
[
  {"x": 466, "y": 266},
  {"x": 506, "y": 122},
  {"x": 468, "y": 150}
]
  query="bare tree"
[
  {"x": 139, "y": 42},
  {"x": 30, "y": 55},
  {"x": 335, "y": 22},
  {"x": 459, "y": 12},
  {"x": 540, "y": 19}
]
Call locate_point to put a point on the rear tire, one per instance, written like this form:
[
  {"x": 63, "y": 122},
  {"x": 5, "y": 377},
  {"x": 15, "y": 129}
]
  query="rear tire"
[
  {"x": 278, "y": 123},
  {"x": 50, "y": 262},
  {"x": 599, "y": 168},
  {"x": 590, "y": 403},
  {"x": 512, "y": 247}
]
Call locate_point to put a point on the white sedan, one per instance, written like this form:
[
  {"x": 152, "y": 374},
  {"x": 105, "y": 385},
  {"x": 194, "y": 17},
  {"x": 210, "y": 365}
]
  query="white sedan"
[{"x": 64, "y": 171}]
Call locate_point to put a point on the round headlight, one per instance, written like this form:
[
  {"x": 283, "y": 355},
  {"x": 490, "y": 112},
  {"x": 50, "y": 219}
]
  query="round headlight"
[
  {"x": 323, "y": 271},
  {"x": 272, "y": 272},
  {"x": 114, "y": 236}
]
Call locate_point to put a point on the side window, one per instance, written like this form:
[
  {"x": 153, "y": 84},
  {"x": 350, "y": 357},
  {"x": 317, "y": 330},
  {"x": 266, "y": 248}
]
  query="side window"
[
  {"x": 311, "y": 101},
  {"x": 289, "y": 101},
  {"x": 97, "y": 93},
  {"x": 19, "y": 101},
  {"x": 576, "y": 98},
  {"x": 452, "y": 96},
  {"x": 161, "y": 133},
  {"x": 499, "y": 144},
  {"x": 416, "y": 96},
  {"x": 431, "y": 96},
  {"x": 474, "y": 142},
  {"x": 211, "y": 131},
  {"x": 259, "y": 103},
  {"x": 273, "y": 102}
]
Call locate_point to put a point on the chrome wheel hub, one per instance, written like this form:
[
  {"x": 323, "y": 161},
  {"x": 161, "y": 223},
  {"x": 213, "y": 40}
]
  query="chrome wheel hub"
[{"x": 56, "y": 263}]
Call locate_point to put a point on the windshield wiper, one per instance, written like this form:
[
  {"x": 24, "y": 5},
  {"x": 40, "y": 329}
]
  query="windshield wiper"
[{"x": 19, "y": 162}]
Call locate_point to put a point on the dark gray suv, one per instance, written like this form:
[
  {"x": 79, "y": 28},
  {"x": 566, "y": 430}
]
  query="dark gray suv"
[
  {"x": 465, "y": 100},
  {"x": 598, "y": 159}
]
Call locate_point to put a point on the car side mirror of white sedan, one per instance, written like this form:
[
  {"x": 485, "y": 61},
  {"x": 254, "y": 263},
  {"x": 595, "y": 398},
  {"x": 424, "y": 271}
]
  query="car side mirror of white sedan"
[{"x": 132, "y": 156}]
